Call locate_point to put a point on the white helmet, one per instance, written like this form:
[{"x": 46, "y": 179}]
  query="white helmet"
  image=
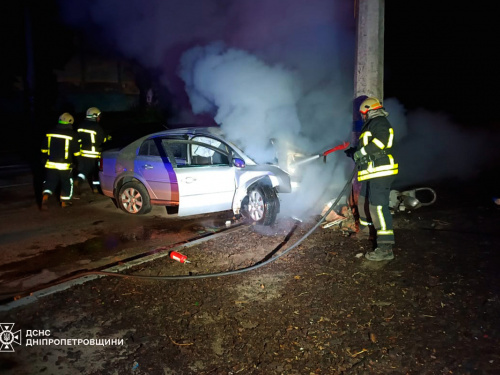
[
  {"x": 66, "y": 118},
  {"x": 93, "y": 113}
]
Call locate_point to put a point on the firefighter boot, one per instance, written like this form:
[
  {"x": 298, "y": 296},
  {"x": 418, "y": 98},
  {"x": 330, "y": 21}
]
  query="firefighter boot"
[
  {"x": 45, "y": 202},
  {"x": 65, "y": 204},
  {"x": 382, "y": 252}
]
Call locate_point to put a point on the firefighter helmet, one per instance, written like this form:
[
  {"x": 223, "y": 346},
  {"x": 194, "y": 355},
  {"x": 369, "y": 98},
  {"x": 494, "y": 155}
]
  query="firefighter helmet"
[
  {"x": 93, "y": 113},
  {"x": 66, "y": 118},
  {"x": 369, "y": 104}
]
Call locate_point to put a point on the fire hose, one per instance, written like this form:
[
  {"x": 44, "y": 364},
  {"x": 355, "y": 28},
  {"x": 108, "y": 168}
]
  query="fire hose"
[{"x": 342, "y": 146}]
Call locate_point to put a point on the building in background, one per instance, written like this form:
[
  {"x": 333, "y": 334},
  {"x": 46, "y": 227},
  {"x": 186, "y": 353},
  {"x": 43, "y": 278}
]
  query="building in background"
[{"x": 87, "y": 81}]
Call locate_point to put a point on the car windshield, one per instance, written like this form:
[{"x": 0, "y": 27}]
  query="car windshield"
[
  {"x": 198, "y": 150},
  {"x": 241, "y": 154}
]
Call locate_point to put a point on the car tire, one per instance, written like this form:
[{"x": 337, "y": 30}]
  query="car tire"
[
  {"x": 261, "y": 205},
  {"x": 133, "y": 198}
]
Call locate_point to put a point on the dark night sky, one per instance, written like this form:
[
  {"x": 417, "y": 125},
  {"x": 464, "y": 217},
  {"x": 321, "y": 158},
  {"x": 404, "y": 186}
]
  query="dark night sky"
[
  {"x": 438, "y": 55},
  {"x": 441, "y": 55}
]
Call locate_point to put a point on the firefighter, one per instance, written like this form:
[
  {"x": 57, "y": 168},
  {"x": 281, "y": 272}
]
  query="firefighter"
[
  {"x": 376, "y": 172},
  {"x": 91, "y": 137},
  {"x": 60, "y": 150}
]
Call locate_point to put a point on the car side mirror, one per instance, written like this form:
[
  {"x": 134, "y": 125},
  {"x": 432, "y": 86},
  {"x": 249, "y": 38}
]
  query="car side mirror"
[{"x": 239, "y": 163}]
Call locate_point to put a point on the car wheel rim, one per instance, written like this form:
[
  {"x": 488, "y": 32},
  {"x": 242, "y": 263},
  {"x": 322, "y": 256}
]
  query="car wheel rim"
[
  {"x": 256, "y": 206},
  {"x": 131, "y": 200}
]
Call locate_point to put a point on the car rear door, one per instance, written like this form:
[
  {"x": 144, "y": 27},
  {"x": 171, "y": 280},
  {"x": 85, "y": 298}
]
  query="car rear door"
[
  {"x": 207, "y": 181},
  {"x": 157, "y": 173}
]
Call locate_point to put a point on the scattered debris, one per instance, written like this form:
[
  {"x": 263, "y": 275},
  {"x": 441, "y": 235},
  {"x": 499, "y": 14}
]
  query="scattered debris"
[
  {"x": 356, "y": 354},
  {"x": 333, "y": 215},
  {"x": 342, "y": 218},
  {"x": 179, "y": 344},
  {"x": 332, "y": 223}
]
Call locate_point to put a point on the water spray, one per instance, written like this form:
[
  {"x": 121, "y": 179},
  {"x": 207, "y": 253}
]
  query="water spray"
[{"x": 306, "y": 160}]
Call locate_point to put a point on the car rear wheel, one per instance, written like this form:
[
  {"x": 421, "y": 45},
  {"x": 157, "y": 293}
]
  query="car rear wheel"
[
  {"x": 134, "y": 199},
  {"x": 261, "y": 205}
]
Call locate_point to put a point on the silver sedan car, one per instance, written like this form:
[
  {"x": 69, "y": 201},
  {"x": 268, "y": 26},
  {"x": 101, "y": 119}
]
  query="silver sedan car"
[{"x": 192, "y": 171}]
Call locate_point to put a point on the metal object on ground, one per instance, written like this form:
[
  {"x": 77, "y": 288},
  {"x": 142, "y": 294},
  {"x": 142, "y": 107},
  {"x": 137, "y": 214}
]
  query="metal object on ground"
[
  {"x": 179, "y": 257},
  {"x": 331, "y": 223},
  {"x": 407, "y": 200}
]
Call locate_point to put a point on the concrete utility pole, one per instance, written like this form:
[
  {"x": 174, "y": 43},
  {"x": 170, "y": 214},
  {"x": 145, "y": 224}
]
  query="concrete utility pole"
[
  {"x": 369, "y": 65},
  {"x": 369, "y": 73}
]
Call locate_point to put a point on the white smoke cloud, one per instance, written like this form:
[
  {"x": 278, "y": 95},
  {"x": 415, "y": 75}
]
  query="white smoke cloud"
[
  {"x": 254, "y": 102},
  {"x": 430, "y": 147},
  {"x": 435, "y": 148},
  {"x": 251, "y": 101},
  {"x": 397, "y": 113}
]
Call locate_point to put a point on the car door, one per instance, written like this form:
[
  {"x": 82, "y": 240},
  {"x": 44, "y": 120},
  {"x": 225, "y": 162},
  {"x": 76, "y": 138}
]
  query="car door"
[
  {"x": 153, "y": 165},
  {"x": 207, "y": 182}
]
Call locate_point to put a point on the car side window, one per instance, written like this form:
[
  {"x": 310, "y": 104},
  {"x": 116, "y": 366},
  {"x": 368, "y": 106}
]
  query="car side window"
[
  {"x": 148, "y": 148},
  {"x": 178, "y": 150},
  {"x": 202, "y": 156}
]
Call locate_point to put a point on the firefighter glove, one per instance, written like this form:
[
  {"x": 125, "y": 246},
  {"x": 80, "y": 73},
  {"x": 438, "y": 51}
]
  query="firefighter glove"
[
  {"x": 350, "y": 152},
  {"x": 357, "y": 156}
]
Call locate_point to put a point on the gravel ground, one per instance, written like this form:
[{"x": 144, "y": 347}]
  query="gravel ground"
[{"x": 319, "y": 309}]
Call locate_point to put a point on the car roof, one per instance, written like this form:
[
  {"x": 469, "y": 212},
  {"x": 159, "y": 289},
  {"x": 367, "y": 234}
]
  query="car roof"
[
  {"x": 210, "y": 130},
  {"x": 214, "y": 131}
]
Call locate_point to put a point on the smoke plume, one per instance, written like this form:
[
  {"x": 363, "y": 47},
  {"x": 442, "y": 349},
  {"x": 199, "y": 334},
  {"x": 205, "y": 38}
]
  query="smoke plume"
[
  {"x": 251, "y": 101},
  {"x": 431, "y": 148},
  {"x": 255, "y": 102}
]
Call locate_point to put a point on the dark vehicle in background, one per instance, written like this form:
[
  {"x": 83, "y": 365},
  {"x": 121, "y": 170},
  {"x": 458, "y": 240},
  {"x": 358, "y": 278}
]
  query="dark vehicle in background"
[{"x": 191, "y": 171}]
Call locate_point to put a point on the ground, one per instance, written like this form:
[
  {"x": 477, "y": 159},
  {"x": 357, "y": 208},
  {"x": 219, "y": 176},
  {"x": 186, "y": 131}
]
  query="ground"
[{"x": 319, "y": 309}]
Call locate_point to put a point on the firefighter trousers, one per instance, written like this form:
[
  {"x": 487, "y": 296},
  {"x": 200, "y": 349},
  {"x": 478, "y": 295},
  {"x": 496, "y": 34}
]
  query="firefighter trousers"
[
  {"x": 373, "y": 205},
  {"x": 87, "y": 170},
  {"x": 55, "y": 178}
]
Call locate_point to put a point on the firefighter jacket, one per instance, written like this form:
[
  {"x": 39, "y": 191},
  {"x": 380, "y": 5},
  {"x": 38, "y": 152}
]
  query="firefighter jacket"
[
  {"x": 91, "y": 137},
  {"x": 375, "y": 144},
  {"x": 61, "y": 147}
]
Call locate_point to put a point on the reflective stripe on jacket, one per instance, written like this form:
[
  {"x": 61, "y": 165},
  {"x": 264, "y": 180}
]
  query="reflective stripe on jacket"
[
  {"x": 91, "y": 137},
  {"x": 61, "y": 147},
  {"x": 375, "y": 143}
]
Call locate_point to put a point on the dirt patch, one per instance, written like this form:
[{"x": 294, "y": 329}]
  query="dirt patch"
[{"x": 319, "y": 309}]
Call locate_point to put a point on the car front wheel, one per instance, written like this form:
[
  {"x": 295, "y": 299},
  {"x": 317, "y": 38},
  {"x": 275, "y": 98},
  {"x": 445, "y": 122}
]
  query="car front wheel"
[
  {"x": 133, "y": 198},
  {"x": 261, "y": 205}
]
